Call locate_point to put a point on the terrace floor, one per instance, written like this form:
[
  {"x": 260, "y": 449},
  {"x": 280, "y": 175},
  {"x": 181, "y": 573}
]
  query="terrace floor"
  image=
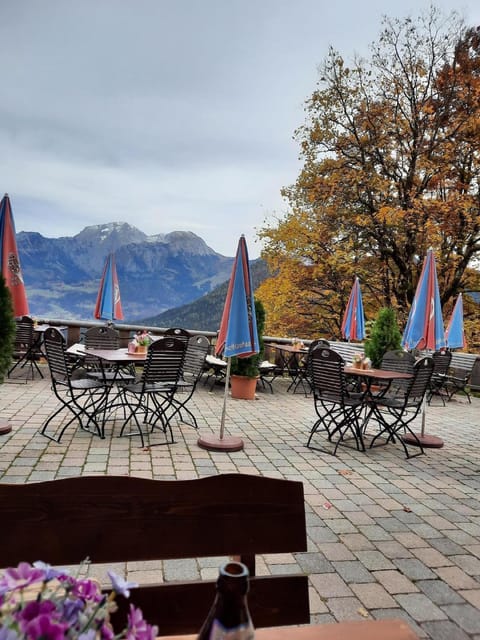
[{"x": 387, "y": 537}]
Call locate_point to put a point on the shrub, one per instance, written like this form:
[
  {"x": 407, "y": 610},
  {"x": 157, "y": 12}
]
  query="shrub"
[
  {"x": 7, "y": 328},
  {"x": 248, "y": 367},
  {"x": 385, "y": 336}
]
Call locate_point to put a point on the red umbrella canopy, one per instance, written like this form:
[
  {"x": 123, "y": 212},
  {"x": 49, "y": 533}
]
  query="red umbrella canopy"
[{"x": 9, "y": 260}]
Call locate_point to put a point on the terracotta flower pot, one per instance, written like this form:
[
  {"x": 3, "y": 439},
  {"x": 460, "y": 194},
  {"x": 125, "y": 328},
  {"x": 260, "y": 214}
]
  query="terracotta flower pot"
[{"x": 242, "y": 387}]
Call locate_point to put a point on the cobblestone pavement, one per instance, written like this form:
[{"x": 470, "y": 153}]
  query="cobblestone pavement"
[{"x": 387, "y": 537}]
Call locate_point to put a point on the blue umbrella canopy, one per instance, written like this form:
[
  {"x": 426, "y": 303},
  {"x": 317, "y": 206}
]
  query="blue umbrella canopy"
[
  {"x": 353, "y": 324},
  {"x": 238, "y": 334},
  {"x": 424, "y": 329},
  {"x": 454, "y": 333},
  {"x": 109, "y": 305}
]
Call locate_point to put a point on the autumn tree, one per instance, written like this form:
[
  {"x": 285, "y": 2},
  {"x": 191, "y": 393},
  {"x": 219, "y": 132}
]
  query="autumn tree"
[{"x": 391, "y": 166}]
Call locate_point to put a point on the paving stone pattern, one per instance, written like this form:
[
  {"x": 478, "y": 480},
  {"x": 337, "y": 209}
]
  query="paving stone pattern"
[{"x": 387, "y": 537}]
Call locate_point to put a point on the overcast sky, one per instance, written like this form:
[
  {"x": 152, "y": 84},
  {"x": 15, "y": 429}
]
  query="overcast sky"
[{"x": 169, "y": 115}]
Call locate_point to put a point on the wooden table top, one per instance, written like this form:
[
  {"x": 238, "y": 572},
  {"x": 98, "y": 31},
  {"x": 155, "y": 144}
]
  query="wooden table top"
[
  {"x": 109, "y": 355},
  {"x": 358, "y": 630},
  {"x": 377, "y": 374}
]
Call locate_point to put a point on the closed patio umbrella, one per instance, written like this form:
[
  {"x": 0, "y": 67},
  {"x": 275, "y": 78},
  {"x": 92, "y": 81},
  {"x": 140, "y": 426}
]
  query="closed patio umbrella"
[
  {"x": 455, "y": 334},
  {"x": 353, "y": 323},
  {"x": 424, "y": 331},
  {"x": 237, "y": 336},
  {"x": 9, "y": 260},
  {"x": 109, "y": 305}
]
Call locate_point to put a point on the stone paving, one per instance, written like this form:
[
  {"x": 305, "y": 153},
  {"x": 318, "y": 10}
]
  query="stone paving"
[{"x": 387, "y": 537}]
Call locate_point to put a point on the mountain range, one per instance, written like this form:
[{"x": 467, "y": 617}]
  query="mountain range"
[{"x": 156, "y": 273}]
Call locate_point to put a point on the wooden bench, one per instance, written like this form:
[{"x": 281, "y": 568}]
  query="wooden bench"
[
  {"x": 118, "y": 519},
  {"x": 464, "y": 374},
  {"x": 347, "y": 349}
]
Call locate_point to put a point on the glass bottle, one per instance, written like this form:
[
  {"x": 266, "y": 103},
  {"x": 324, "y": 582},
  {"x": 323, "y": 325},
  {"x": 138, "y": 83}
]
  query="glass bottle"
[{"x": 229, "y": 617}]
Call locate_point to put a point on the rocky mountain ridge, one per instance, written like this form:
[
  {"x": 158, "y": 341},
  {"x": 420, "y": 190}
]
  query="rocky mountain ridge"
[{"x": 155, "y": 273}]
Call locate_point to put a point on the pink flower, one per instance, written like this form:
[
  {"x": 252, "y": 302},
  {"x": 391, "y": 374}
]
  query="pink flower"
[{"x": 138, "y": 628}]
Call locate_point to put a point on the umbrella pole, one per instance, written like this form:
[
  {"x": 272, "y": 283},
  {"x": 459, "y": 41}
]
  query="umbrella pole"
[
  {"x": 426, "y": 440},
  {"x": 222, "y": 443},
  {"x": 225, "y": 397}
]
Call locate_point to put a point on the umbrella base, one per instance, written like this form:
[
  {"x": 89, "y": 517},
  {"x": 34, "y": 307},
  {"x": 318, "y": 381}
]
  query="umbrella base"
[
  {"x": 5, "y": 427},
  {"x": 214, "y": 443},
  {"x": 427, "y": 441}
]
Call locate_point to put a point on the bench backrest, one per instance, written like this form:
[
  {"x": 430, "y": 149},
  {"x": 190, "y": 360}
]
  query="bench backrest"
[
  {"x": 117, "y": 519},
  {"x": 347, "y": 349}
]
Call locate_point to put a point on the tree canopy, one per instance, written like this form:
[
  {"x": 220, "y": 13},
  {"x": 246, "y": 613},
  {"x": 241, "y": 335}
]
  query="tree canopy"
[{"x": 391, "y": 166}]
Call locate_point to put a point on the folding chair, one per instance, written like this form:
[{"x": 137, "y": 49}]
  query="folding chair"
[
  {"x": 338, "y": 409},
  {"x": 192, "y": 369},
  {"x": 153, "y": 393},
  {"x": 394, "y": 414},
  {"x": 438, "y": 382},
  {"x": 84, "y": 397},
  {"x": 26, "y": 347},
  {"x": 104, "y": 338},
  {"x": 304, "y": 377}
]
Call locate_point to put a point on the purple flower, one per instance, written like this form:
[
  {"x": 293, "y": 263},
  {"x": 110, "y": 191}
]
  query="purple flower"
[
  {"x": 50, "y": 572},
  {"x": 138, "y": 628},
  {"x": 33, "y": 610},
  {"x": 71, "y": 609},
  {"x": 44, "y": 628},
  {"x": 106, "y": 632},
  {"x": 87, "y": 590},
  {"x": 88, "y": 635},
  {"x": 21, "y": 576},
  {"x": 8, "y": 634},
  {"x": 120, "y": 585}
]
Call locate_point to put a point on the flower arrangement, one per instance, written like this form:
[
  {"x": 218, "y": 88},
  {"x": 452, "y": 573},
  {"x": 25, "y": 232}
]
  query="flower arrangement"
[
  {"x": 38, "y": 602},
  {"x": 143, "y": 339},
  {"x": 297, "y": 344}
]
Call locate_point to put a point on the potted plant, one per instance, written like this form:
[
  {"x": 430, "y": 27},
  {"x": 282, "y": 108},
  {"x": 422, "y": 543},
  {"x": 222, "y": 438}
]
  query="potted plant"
[{"x": 244, "y": 372}]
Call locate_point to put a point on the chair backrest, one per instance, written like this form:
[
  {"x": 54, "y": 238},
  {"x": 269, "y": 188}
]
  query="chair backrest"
[
  {"x": 177, "y": 332},
  {"x": 101, "y": 338},
  {"x": 195, "y": 354},
  {"x": 441, "y": 362},
  {"x": 422, "y": 373},
  {"x": 326, "y": 369},
  {"x": 398, "y": 360},
  {"x": 164, "y": 361},
  {"x": 474, "y": 382},
  {"x": 54, "y": 342},
  {"x": 24, "y": 335},
  {"x": 120, "y": 519}
]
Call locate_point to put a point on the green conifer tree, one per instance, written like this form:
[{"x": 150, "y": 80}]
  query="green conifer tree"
[
  {"x": 385, "y": 336},
  {"x": 7, "y": 328}
]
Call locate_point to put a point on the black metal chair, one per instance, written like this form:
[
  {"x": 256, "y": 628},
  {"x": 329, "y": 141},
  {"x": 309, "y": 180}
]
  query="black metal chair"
[
  {"x": 84, "y": 397},
  {"x": 395, "y": 413},
  {"x": 338, "y": 409},
  {"x": 152, "y": 394},
  {"x": 304, "y": 376},
  {"x": 27, "y": 347},
  {"x": 192, "y": 369},
  {"x": 104, "y": 338},
  {"x": 438, "y": 382},
  {"x": 402, "y": 362},
  {"x": 179, "y": 333}
]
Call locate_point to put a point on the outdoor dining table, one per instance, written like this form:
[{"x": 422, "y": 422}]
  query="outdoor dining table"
[
  {"x": 290, "y": 360},
  {"x": 369, "y": 377},
  {"x": 360, "y": 630}
]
